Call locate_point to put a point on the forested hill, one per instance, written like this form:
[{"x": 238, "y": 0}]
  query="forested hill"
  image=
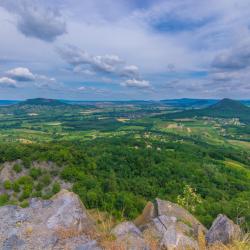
[
  {"x": 225, "y": 108},
  {"x": 42, "y": 101}
]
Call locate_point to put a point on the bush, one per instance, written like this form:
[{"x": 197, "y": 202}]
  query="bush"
[
  {"x": 35, "y": 173},
  {"x": 25, "y": 180},
  {"x": 56, "y": 188},
  {"x": 24, "y": 204},
  {"x": 72, "y": 174},
  {"x": 46, "y": 179},
  {"x": 27, "y": 191},
  {"x": 16, "y": 187},
  {"x": 7, "y": 185},
  {"x": 39, "y": 186},
  {"x": 4, "y": 198},
  {"x": 17, "y": 168}
]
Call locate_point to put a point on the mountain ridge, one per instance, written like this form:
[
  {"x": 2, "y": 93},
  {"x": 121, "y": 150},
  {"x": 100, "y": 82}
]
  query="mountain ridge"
[{"x": 225, "y": 108}]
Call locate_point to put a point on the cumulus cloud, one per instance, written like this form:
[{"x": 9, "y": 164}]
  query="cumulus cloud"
[
  {"x": 141, "y": 84},
  {"x": 79, "y": 58},
  {"x": 130, "y": 71},
  {"x": 83, "y": 62},
  {"x": 35, "y": 20},
  {"x": 21, "y": 74},
  {"x": 7, "y": 82},
  {"x": 235, "y": 59}
]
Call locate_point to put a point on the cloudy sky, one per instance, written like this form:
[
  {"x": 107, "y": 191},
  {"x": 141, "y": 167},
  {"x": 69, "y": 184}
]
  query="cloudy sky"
[{"x": 124, "y": 49}]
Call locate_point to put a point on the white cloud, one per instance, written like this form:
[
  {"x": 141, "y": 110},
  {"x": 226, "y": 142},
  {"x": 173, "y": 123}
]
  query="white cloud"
[
  {"x": 80, "y": 59},
  {"x": 130, "y": 71},
  {"x": 7, "y": 82},
  {"x": 141, "y": 84},
  {"x": 21, "y": 74},
  {"x": 82, "y": 88}
]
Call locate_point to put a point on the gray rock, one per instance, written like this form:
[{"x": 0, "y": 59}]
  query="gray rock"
[
  {"x": 171, "y": 209},
  {"x": 171, "y": 234},
  {"x": 69, "y": 213},
  {"x": 13, "y": 242},
  {"x": 126, "y": 228},
  {"x": 222, "y": 230},
  {"x": 129, "y": 237},
  {"x": 92, "y": 245},
  {"x": 63, "y": 221}
]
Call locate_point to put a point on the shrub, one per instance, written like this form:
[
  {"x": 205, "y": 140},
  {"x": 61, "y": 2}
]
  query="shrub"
[
  {"x": 39, "y": 186},
  {"x": 17, "y": 168},
  {"x": 46, "y": 179},
  {"x": 35, "y": 173},
  {"x": 27, "y": 191},
  {"x": 4, "y": 198},
  {"x": 7, "y": 185},
  {"x": 24, "y": 204},
  {"x": 16, "y": 187},
  {"x": 25, "y": 180},
  {"x": 56, "y": 188}
]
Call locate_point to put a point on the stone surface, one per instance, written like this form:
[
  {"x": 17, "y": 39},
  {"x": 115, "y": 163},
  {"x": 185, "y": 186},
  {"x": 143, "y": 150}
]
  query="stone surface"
[
  {"x": 171, "y": 209},
  {"x": 222, "y": 230},
  {"x": 129, "y": 237},
  {"x": 170, "y": 233},
  {"x": 148, "y": 213},
  {"x": 60, "y": 223}
]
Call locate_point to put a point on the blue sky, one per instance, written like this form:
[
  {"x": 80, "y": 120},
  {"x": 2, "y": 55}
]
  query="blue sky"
[{"x": 124, "y": 49}]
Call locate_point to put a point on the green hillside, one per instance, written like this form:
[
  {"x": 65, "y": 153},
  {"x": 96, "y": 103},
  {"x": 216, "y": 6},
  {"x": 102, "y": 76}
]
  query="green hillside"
[{"x": 225, "y": 108}]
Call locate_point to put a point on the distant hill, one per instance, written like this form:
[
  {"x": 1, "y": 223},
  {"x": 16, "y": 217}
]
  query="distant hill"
[
  {"x": 43, "y": 102},
  {"x": 189, "y": 103},
  {"x": 8, "y": 102},
  {"x": 225, "y": 108}
]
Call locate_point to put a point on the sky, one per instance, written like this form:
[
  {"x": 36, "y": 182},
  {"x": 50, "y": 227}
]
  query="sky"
[{"x": 124, "y": 49}]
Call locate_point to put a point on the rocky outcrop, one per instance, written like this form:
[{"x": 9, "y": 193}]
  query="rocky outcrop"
[
  {"x": 59, "y": 223},
  {"x": 129, "y": 237},
  {"x": 64, "y": 223},
  {"x": 173, "y": 226},
  {"x": 171, "y": 209},
  {"x": 223, "y": 230}
]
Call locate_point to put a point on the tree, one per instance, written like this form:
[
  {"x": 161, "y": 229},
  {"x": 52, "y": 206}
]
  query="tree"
[{"x": 189, "y": 198}]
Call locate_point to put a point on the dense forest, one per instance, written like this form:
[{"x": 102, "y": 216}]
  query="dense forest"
[{"x": 120, "y": 174}]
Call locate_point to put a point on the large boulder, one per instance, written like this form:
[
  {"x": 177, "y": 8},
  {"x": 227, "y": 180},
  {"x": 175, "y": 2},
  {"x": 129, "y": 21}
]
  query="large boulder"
[
  {"x": 171, "y": 209},
  {"x": 171, "y": 226},
  {"x": 129, "y": 237},
  {"x": 171, "y": 233},
  {"x": 59, "y": 223},
  {"x": 223, "y": 230}
]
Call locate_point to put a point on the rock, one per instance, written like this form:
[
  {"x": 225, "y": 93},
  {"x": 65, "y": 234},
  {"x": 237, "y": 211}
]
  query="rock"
[
  {"x": 222, "y": 230},
  {"x": 69, "y": 213},
  {"x": 171, "y": 209},
  {"x": 148, "y": 213},
  {"x": 60, "y": 223},
  {"x": 126, "y": 228},
  {"x": 170, "y": 233},
  {"x": 92, "y": 245},
  {"x": 13, "y": 242},
  {"x": 129, "y": 237}
]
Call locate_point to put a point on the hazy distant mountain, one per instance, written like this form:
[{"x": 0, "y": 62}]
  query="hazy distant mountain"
[
  {"x": 225, "y": 108},
  {"x": 7, "y": 102},
  {"x": 43, "y": 101},
  {"x": 189, "y": 103}
]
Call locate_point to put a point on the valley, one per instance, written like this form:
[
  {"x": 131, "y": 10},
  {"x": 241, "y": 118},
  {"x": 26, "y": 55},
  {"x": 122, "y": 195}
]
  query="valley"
[{"x": 118, "y": 155}]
